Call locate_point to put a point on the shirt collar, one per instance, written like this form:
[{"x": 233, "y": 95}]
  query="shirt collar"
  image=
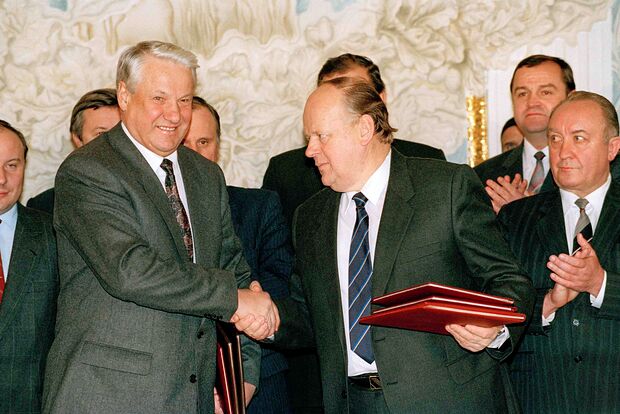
[
  {"x": 9, "y": 218},
  {"x": 154, "y": 160},
  {"x": 595, "y": 199},
  {"x": 376, "y": 185},
  {"x": 529, "y": 150}
]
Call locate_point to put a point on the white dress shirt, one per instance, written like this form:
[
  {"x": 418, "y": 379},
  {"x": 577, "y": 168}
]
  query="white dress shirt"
[
  {"x": 7, "y": 235},
  {"x": 529, "y": 161},
  {"x": 374, "y": 190},
  {"x": 154, "y": 161},
  {"x": 571, "y": 216}
]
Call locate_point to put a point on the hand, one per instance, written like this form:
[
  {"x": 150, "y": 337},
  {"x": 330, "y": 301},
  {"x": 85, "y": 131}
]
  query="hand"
[
  {"x": 257, "y": 316},
  {"x": 556, "y": 298},
  {"x": 219, "y": 409},
  {"x": 473, "y": 338},
  {"x": 248, "y": 390},
  {"x": 504, "y": 191},
  {"x": 581, "y": 272}
]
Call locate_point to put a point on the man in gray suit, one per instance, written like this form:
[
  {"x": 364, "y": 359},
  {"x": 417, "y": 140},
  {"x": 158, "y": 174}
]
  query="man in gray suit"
[
  {"x": 28, "y": 284},
  {"x": 387, "y": 222},
  {"x": 148, "y": 257},
  {"x": 568, "y": 361}
]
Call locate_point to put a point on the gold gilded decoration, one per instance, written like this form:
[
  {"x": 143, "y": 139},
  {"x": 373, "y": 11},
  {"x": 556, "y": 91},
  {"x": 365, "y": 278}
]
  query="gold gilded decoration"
[{"x": 477, "y": 144}]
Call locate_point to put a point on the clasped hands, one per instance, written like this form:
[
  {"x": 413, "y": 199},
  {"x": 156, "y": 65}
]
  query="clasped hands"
[
  {"x": 505, "y": 190},
  {"x": 256, "y": 316},
  {"x": 581, "y": 272}
]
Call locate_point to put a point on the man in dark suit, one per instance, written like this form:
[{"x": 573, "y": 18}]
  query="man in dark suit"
[
  {"x": 539, "y": 83},
  {"x": 387, "y": 222},
  {"x": 94, "y": 113},
  {"x": 28, "y": 284},
  {"x": 568, "y": 361},
  {"x": 148, "y": 257},
  {"x": 294, "y": 176},
  {"x": 259, "y": 223}
]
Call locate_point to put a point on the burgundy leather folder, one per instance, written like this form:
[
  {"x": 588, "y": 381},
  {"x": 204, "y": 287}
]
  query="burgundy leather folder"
[
  {"x": 229, "y": 381},
  {"x": 430, "y": 307}
]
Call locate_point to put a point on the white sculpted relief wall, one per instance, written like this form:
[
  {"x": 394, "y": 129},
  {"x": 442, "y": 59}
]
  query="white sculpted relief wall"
[{"x": 259, "y": 61}]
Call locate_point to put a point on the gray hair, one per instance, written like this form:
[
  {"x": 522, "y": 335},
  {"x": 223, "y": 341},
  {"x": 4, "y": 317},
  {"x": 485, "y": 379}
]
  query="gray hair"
[{"x": 132, "y": 59}]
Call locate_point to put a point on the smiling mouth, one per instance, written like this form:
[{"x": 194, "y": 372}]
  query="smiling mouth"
[{"x": 167, "y": 129}]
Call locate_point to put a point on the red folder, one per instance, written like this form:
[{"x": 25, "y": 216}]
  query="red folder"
[
  {"x": 430, "y": 307},
  {"x": 229, "y": 381}
]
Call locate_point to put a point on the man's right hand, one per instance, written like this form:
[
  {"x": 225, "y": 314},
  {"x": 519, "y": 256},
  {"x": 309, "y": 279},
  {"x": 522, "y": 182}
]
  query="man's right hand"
[
  {"x": 557, "y": 297},
  {"x": 505, "y": 190},
  {"x": 257, "y": 316}
]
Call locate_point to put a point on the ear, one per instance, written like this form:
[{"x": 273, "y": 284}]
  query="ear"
[
  {"x": 614, "y": 146},
  {"x": 383, "y": 96},
  {"x": 123, "y": 96},
  {"x": 77, "y": 142},
  {"x": 366, "y": 128}
]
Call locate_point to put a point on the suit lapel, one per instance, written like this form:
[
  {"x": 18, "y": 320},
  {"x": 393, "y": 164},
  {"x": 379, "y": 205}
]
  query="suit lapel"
[
  {"x": 327, "y": 254},
  {"x": 132, "y": 160},
  {"x": 398, "y": 209},
  {"x": 23, "y": 257},
  {"x": 513, "y": 163},
  {"x": 550, "y": 228},
  {"x": 607, "y": 231}
]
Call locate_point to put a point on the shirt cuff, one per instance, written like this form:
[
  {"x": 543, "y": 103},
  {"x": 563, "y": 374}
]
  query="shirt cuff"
[
  {"x": 547, "y": 321},
  {"x": 502, "y": 337},
  {"x": 597, "y": 302}
]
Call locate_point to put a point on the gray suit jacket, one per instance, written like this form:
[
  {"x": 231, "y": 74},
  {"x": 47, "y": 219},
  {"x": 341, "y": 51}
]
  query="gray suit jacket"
[
  {"x": 573, "y": 365},
  {"x": 437, "y": 226},
  {"x": 28, "y": 312},
  {"x": 135, "y": 329}
]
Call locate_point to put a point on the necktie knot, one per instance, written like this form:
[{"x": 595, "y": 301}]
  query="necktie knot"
[
  {"x": 539, "y": 155},
  {"x": 360, "y": 200},
  {"x": 166, "y": 165},
  {"x": 581, "y": 203}
]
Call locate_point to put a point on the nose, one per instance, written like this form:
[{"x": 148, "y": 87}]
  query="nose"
[
  {"x": 172, "y": 112},
  {"x": 313, "y": 147}
]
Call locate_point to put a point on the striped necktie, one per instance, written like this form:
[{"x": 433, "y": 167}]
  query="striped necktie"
[
  {"x": 538, "y": 176},
  {"x": 360, "y": 292},
  {"x": 177, "y": 206},
  {"x": 583, "y": 223}
]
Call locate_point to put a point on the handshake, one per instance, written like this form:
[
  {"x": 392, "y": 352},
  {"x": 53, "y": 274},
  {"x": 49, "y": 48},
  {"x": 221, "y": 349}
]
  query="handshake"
[{"x": 256, "y": 316}]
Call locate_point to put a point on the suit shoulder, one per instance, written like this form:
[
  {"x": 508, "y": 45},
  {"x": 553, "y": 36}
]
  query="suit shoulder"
[
  {"x": 416, "y": 149},
  {"x": 43, "y": 201},
  {"x": 293, "y": 155},
  {"x": 254, "y": 195}
]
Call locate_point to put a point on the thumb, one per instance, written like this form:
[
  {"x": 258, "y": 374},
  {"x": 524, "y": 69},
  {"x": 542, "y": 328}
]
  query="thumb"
[{"x": 255, "y": 286}]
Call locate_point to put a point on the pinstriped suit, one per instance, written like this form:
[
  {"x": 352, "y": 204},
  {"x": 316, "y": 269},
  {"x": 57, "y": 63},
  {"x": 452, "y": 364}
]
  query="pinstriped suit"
[
  {"x": 27, "y": 312},
  {"x": 573, "y": 365},
  {"x": 258, "y": 221}
]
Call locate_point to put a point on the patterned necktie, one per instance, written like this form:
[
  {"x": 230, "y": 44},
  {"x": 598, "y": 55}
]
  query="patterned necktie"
[
  {"x": 538, "y": 176},
  {"x": 1, "y": 276},
  {"x": 360, "y": 293},
  {"x": 177, "y": 206},
  {"x": 583, "y": 224}
]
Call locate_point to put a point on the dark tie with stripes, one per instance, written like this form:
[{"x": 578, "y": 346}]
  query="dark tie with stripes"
[
  {"x": 360, "y": 293},
  {"x": 177, "y": 206},
  {"x": 583, "y": 223}
]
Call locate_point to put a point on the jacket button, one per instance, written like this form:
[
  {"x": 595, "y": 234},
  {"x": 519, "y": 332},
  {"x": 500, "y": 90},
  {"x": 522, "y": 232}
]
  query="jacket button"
[
  {"x": 576, "y": 322},
  {"x": 578, "y": 359},
  {"x": 192, "y": 378},
  {"x": 200, "y": 334}
]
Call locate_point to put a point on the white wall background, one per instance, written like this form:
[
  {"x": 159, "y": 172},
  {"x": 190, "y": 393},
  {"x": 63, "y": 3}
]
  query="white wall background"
[{"x": 259, "y": 60}]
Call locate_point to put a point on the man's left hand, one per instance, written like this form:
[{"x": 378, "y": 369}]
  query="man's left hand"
[
  {"x": 581, "y": 272},
  {"x": 473, "y": 338}
]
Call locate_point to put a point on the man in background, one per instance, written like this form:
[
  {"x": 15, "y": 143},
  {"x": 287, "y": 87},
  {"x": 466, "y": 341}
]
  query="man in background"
[
  {"x": 259, "y": 223},
  {"x": 148, "y": 257},
  {"x": 539, "y": 83},
  {"x": 568, "y": 240},
  {"x": 28, "y": 283},
  {"x": 95, "y": 113},
  {"x": 511, "y": 136}
]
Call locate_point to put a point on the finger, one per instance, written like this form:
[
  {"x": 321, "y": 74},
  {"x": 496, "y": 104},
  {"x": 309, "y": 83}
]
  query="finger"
[
  {"x": 255, "y": 286},
  {"x": 585, "y": 245},
  {"x": 243, "y": 323}
]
